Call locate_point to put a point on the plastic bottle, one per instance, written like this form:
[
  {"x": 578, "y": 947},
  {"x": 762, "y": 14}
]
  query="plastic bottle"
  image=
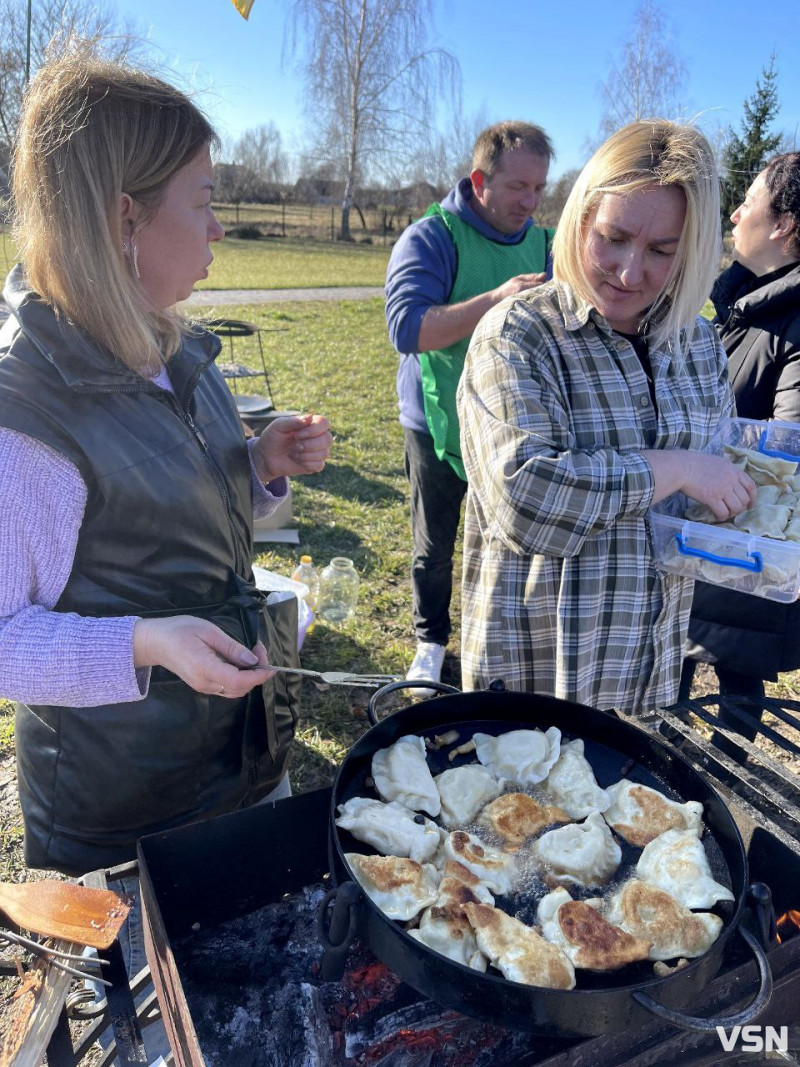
[
  {"x": 306, "y": 573},
  {"x": 338, "y": 590}
]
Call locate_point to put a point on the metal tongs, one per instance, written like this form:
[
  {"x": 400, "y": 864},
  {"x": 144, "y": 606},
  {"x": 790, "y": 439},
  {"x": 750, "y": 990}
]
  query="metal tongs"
[
  {"x": 56, "y": 957},
  {"x": 374, "y": 681}
]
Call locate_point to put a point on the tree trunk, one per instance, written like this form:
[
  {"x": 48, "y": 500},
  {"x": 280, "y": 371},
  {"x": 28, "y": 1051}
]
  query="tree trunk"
[{"x": 347, "y": 203}]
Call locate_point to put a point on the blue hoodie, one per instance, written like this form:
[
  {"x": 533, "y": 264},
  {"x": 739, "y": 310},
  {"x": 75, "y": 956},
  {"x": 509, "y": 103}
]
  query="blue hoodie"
[{"x": 421, "y": 274}]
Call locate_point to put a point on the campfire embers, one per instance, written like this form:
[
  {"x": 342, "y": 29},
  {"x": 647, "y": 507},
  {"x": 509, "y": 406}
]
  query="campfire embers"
[
  {"x": 788, "y": 925},
  {"x": 247, "y": 975},
  {"x": 267, "y": 1007}
]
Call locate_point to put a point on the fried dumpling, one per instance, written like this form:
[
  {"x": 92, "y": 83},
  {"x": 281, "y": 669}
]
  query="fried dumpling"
[
  {"x": 399, "y": 886},
  {"x": 639, "y": 814},
  {"x": 392, "y": 829},
  {"x": 496, "y": 869},
  {"x": 655, "y": 915},
  {"x": 444, "y": 927},
  {"x": 518, "y": 951},
  {"x": 589, "y": 940},
  {"x": 572, "y": 783},
  {"x": 464, "y": 791},
  {"x": 516, "y": 816},
  {"x": 520, "y": 755},
  {"x": 401, "y": 773},
  {"x": 677, "y": 862},
  {"x": 583, "y": 852}
]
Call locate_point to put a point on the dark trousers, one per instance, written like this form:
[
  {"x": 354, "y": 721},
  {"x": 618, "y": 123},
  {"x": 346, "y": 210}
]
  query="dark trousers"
[
  {"x": 731, "y": 684},
  {"x": 436, "y": 496}
]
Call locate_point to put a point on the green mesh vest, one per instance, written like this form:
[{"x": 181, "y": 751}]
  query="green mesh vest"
[{"x": 483, "y": 264}]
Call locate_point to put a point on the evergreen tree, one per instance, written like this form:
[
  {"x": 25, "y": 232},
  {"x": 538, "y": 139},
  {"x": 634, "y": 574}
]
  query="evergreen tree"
[{"x": 746, "y": 156}]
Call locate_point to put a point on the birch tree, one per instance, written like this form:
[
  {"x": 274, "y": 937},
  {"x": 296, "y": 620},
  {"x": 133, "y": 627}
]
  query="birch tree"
[
  {"x": 371, "y": 78},
  {"x": 647, "y": 79},
  {"x": 53, "y": 24}
]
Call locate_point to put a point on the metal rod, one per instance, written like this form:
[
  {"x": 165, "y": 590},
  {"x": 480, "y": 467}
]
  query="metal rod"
[{"x": 28, "y": 43}]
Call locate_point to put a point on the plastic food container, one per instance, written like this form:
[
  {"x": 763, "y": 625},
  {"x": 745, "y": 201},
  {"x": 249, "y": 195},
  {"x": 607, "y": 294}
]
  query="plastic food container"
[{"x": 762, "y": 566}]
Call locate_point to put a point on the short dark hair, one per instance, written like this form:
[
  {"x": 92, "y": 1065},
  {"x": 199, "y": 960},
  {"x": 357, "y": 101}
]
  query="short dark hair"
[
  {"x": 509, "y": 136},
  {"x": 782, "y": 179}
]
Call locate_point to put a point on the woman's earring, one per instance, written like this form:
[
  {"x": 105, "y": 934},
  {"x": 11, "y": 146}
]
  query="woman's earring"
[{"x": 132, "y": 250}]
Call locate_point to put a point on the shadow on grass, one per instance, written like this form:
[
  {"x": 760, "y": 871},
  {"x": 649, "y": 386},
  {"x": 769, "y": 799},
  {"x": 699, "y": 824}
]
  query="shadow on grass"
[{"x": 340, "y": 479}]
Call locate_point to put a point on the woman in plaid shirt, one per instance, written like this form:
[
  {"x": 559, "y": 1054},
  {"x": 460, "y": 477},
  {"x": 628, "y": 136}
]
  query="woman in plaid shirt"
[{"x": 582, "y": 403}]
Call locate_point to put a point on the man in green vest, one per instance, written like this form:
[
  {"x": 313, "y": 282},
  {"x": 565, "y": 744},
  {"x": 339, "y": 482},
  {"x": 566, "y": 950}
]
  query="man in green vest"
[{"x": 478, "y": 246}]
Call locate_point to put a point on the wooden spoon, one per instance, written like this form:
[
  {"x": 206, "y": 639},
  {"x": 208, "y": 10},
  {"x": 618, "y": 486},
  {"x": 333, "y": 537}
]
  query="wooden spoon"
[{"x": 65, "y": 910}]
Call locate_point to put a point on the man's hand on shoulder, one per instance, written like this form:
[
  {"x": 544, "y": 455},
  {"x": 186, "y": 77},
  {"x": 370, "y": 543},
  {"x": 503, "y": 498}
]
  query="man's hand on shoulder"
[
  {"x": 518, "y": 285},
  {"x": 443, "y": 326}
]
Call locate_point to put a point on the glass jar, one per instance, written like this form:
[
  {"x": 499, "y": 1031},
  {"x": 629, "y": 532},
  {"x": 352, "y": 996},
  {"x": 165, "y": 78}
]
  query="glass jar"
[
  {"x": 306, "y": 573},
  {"x": 338, "y": 590}
]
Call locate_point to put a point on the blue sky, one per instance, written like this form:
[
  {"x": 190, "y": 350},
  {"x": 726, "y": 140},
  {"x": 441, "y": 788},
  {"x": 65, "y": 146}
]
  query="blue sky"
[{"x": 541, "y": 62}]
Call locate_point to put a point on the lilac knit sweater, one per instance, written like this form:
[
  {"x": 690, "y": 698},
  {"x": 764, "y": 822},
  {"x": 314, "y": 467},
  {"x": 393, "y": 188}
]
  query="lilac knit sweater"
[{"x": 49, "y": 657}]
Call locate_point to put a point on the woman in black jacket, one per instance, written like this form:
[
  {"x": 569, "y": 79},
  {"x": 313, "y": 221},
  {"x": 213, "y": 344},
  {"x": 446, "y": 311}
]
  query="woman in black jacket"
[{"x": 757, "y": 300}]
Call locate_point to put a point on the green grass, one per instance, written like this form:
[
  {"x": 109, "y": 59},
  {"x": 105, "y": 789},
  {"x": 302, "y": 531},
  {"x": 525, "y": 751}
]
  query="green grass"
[
  {"x": 8, "y": 254},
  {"x": 275, "y": 263},
  {"x": 292, "y": 264},
  {"x": 335, "y": 359}
]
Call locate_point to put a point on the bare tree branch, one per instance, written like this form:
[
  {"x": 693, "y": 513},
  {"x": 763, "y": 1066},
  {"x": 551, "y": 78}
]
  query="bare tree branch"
[
  {"x": 370, "y": 79},
  {"x": 648, "y": 78},
  {"x": 55, "y": 24}
]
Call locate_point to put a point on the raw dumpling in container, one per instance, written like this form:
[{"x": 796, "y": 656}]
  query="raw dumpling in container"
[
  {"x": 518, "y": 951},
  {"x": 583, "y": 852},
  {"x": 519, "y": 755},
  {"x": 677, "y": 862},
  {"x": 496, "y": 869},
  {"x": 655, "y": 915},
  {"x": 792, "y": 531},
  {"x": 516, "y": 816},
  {"x": 401, "y": 773},
  {"x": 400, "y": 887},
  {"x": 700, "y": 513},
  {"x": 392, "y": 829},
  {"x": 589, "y": 940},
  {"x": 464, "y": 791},
  {"x": 444, "y": 927},
  {"x": 764, "y": 520},
  {"x": 769, "y": 494},
  {"x": 639, "y": 814},
  {"x": 572, "y": 783},
  {"x": 763, "y": 469}
]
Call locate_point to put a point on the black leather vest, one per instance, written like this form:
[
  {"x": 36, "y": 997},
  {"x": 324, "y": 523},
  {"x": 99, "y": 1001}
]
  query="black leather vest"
[{"x": 167, "y": 530}]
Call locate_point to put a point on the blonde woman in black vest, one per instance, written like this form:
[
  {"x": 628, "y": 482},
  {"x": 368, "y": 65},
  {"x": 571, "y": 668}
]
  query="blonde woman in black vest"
[{"x": 131, "y": 635}]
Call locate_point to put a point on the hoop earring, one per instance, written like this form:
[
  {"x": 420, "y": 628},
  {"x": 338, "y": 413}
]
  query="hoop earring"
[{"x": 132, "y": 250}]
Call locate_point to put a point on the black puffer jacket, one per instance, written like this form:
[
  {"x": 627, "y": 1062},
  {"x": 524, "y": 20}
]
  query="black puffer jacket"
[
  {"x": 758, "y": 319},
  {"x": 166, "y": 531}
]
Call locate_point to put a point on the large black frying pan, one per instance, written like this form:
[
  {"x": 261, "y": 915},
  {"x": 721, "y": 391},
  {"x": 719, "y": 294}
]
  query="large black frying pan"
[{"x": 599, "y": 1004}]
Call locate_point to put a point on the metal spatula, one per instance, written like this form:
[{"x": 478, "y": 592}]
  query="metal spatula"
[{"x": 65, "y": 910}]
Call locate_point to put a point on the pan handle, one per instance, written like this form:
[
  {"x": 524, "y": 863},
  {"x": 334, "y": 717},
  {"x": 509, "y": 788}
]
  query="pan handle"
[
  {"x": 339, "y": 934},
  {"x": 752, "y": 1011},
  {"x": 440, "y": 687}
]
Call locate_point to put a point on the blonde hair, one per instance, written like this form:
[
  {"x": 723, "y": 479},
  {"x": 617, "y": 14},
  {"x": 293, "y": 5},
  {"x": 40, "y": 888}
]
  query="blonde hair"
[
  {"x": 90, "y": 131},
  {"x": 646, "y": 153}
]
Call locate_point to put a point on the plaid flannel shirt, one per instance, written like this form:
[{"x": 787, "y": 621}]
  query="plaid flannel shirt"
[{"x": 560, "y": 592}]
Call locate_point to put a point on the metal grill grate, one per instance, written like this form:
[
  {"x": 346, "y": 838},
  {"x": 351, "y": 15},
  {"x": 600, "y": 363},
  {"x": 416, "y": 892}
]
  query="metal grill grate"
[{"x": 763, "y": 775}]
